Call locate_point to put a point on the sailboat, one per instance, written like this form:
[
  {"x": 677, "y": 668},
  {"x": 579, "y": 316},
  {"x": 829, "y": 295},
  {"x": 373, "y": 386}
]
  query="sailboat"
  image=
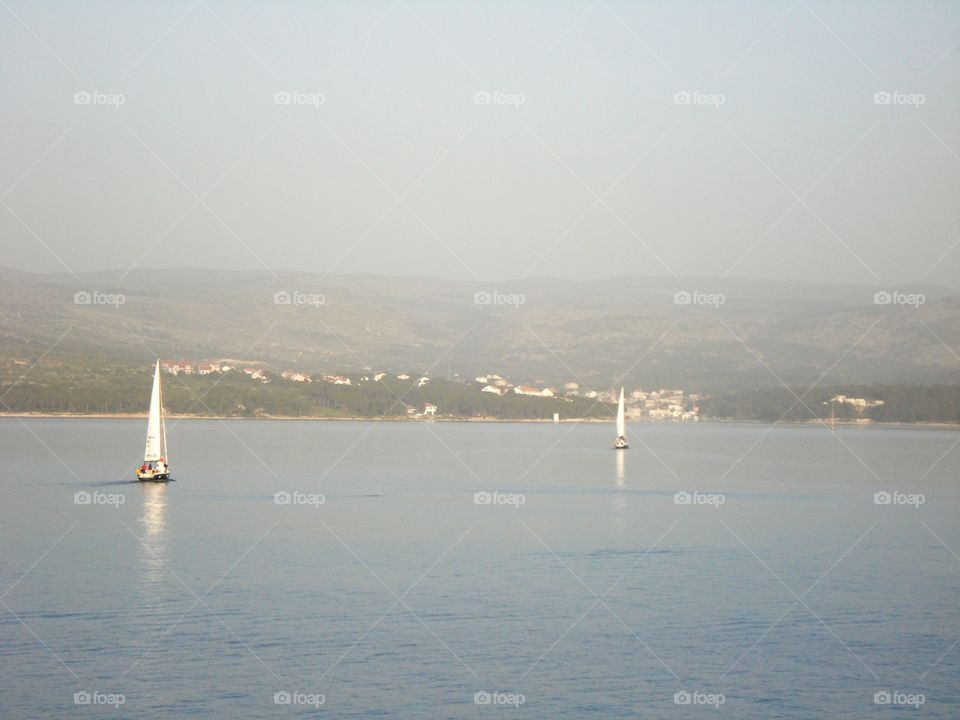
[
  {"x": 833, "y": 420},
  {"x": 621, "y": 442},
  {"x": 155, "y": 459}
]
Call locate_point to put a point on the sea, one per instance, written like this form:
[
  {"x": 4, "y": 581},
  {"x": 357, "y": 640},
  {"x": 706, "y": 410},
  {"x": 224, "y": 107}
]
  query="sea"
[{"x": 377, "y": 569}]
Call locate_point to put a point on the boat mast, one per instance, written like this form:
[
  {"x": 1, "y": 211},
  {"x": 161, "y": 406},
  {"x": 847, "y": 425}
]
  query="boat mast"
[
  {"x": 163, "y": 424},
  {"x": 621, "y": 425}
]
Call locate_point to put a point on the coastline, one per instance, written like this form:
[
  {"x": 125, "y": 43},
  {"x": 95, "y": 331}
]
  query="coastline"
[{"x": 548, "y": 421}]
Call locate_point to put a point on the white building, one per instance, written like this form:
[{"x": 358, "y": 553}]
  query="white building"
[
  {"x": 337, "y": 379},
  {"x": 534, "y": 392},
  {"x": 255, "y": 374}
]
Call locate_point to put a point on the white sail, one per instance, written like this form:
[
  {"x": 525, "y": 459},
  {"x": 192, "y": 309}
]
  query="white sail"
[
  {"x": 156, "y": 447},
  {"x": 621, "y": 424}
]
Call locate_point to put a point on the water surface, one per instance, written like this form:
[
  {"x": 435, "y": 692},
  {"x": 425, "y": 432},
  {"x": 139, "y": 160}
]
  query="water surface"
[{"x": 400, "y": 596}]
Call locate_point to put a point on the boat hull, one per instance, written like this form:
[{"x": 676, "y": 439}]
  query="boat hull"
[
  {"x": 153, "y": 477},
  {"x": 621, "y": 444}
]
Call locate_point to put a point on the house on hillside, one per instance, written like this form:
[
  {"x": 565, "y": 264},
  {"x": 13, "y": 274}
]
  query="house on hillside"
[
  {"x": 534, "y": 392},
  {"x": 255, "y": 374},
  {"x": 337, "y": 379},
  {"x": 860, "y": 404},
  {"x": 175, "y": 367}
]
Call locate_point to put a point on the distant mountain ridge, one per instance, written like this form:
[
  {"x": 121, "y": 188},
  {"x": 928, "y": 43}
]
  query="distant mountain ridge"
[{"x": 721, "y": 335}]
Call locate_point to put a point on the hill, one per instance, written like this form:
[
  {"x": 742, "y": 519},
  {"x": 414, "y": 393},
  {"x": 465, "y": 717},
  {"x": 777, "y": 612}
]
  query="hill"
[{"x": 539, "y": 329}]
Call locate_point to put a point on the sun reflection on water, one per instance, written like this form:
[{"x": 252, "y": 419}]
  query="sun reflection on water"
[{"x": 153, "y": 544}]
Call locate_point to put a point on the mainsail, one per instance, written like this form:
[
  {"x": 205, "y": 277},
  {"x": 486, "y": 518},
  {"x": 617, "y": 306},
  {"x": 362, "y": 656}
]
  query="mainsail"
[
  {"x": 156, "y": 447},
  {"x": 621, "y": 424}
]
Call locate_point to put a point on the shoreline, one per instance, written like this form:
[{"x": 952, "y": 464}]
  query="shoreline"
[{"x": 548, "y": 421}]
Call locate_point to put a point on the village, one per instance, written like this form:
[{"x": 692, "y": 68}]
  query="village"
[{"x": 662, "y": 404}]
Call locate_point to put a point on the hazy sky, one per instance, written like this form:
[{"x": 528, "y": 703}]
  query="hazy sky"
[{"x": 583, "y": 165}]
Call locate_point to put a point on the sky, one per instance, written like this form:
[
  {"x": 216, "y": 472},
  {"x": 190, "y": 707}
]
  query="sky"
[{"x": 807, "y": 141}]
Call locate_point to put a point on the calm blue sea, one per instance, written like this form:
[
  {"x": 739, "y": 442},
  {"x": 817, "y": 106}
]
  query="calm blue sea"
[{"x": 455, "y": 570}]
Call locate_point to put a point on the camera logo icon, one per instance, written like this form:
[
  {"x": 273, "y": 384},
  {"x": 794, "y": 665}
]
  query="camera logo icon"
[
  {"x": 482, "y": 698},
  {"x": 82, "y": 698}
]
